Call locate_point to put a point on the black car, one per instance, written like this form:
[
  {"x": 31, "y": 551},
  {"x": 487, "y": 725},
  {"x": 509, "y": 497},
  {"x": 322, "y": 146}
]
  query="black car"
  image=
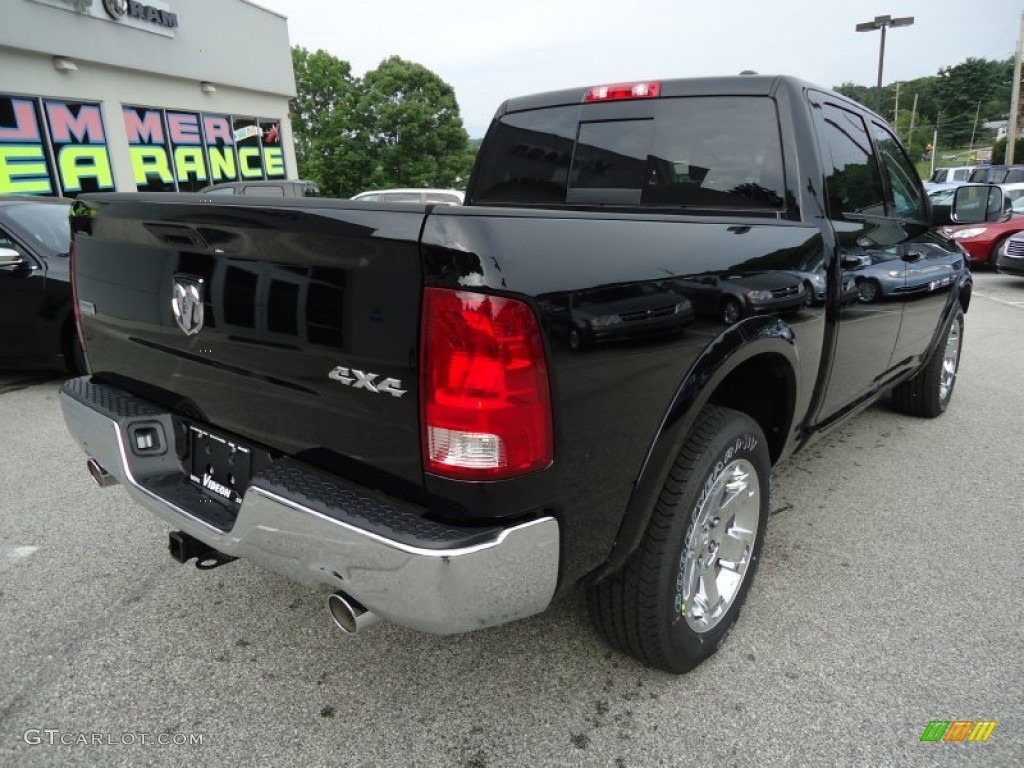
[
  {"x": 1010, "y": 256},
  {"x": 36, "y": 318},
  {"x": 731, "y": 297},
  {"x": 619, "y": 312}
]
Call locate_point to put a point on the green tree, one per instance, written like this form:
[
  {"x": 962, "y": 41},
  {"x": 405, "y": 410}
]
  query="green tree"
[
  {"x": 329, "y": 148},
  {"x": 963, "y": 89},
  {"x": 412, "y": 126},
  {"x": 949, "y": 99},
  {"x": 999, "y": 151}
]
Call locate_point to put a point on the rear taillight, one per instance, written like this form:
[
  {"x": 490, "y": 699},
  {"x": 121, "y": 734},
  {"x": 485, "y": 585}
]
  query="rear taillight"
[
  {"x": 485, "y": 405},
  {"x": 619, "y": 91}
]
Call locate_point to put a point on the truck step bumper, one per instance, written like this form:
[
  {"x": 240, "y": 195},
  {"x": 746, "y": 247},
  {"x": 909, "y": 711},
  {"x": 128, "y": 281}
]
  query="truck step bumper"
[{"x": 326, "y": 532}]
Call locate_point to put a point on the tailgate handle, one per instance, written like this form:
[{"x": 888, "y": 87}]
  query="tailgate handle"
[{"x": 178, "y": 235}]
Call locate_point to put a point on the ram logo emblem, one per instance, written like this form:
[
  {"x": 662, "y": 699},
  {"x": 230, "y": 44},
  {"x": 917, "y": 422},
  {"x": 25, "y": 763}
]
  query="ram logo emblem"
[
  {"x": 353, "y": 377},
  {"x": 187, "y": 303}
]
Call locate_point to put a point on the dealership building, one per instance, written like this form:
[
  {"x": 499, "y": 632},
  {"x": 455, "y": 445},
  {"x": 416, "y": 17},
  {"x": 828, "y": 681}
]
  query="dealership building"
[{"x": 166, "y": 95}]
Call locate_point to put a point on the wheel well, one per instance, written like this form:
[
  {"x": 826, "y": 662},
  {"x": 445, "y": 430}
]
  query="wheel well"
[{"x": 763, "y": 388}]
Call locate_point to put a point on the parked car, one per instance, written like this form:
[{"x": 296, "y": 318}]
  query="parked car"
[
  {"x": 983, "y": 241},
  {"x": 1010, "y": 256},
  {"x": 997, "y": 174},
  {"x": 618, "y": 313},
  {"x": 371, "y": 400},
  {"x": 949, "y": 178},
  {"x": 1014, "y": 191},
  {"x": 906, "y": 270},
  {"x": 446, "y": 196},
  {"x": 274, "y": 188},
  {"x": 37, "y": 329},
  {"x": 731, "y": 297}
]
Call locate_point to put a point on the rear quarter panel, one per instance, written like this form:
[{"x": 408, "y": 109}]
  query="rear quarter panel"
[{"x": 611, "y": 398}]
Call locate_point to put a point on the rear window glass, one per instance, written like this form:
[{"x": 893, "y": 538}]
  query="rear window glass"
[
  {"x": 401, "y": 197},
  {"x": 267, "y": 191},
  {"x": 698, "y": 152},
  {"x": 961, "y": 175}
]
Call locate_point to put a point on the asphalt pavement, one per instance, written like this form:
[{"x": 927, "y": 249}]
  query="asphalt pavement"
[{"x": 889, "y": 596}]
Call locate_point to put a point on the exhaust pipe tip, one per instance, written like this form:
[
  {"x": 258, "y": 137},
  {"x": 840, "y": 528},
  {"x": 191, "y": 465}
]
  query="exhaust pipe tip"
[
  {"x": 100, "y": 476},
  {"x": 349, "y": 615}
]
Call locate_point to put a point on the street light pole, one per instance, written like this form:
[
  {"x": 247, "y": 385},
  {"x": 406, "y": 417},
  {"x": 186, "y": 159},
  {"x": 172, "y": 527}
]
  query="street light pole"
[{"x": 883, "y": 23}]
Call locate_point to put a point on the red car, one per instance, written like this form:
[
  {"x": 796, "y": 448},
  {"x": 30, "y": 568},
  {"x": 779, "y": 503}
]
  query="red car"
[{"x": 983, "y": 241}]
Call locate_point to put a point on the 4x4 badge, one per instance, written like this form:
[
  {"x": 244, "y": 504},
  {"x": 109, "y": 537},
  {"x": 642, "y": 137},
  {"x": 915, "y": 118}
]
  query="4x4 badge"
[
  {"x": 357, "y": 379},
  {"x": 187, "y": 303}
]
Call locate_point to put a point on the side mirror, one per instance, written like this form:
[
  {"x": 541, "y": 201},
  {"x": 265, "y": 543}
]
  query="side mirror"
[
  {"x": 979, "y": 203},
  {"x": 851, "y": 262},
  {"x": 11, "y": 260}
]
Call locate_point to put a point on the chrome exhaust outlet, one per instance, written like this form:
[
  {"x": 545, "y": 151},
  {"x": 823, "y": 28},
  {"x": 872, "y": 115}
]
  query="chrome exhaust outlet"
[
  {"x": 100, "y": 476},
  {"x": 348, "y": 615}
]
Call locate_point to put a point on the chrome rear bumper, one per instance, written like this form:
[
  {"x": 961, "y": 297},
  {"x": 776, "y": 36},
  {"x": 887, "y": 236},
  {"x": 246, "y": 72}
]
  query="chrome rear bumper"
[{"x": 326, "y": 532}]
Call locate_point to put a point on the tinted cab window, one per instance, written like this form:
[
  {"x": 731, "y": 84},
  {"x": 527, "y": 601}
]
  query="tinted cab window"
[
  {"x": 695, "y": 152},
  {"x": 853, "y": 183},
  {"x": 904, "y": 198}
]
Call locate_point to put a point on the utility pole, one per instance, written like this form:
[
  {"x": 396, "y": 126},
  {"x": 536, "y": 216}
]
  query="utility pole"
[
  {"x": 913, "y": 118},
  {"x": 1011, "y": 136},
  {"x": 974, "y": 130},
  {"x": 896, "y": 109},
  {"x": 935, "y": 146}
]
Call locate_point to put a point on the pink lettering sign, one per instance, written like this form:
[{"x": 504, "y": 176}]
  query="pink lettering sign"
[
  {"x": 87, "y": 127},
  {"x": 148, "y": 129},
  {"x": 217, "y": 128},
  {"x": 184, "y": 129},
  {"x": 26, "y": 127}
]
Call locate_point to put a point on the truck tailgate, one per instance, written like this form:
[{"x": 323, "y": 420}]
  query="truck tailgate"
[{"x": 292, "y": 324}]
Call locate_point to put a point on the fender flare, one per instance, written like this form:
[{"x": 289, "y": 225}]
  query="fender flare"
[{"x": 754, "y": 337}]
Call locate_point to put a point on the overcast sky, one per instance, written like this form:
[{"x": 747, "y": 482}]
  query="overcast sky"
[{"x": 489, "y": 51}]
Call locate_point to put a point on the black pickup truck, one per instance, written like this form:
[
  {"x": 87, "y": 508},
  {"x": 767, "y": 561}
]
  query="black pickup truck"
[{"x": 446, "y": 416}]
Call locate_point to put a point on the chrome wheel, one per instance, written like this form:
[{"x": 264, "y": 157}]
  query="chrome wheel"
[
  {"x": 720, "y": 546},
  {"x": 950, "y": 361}
]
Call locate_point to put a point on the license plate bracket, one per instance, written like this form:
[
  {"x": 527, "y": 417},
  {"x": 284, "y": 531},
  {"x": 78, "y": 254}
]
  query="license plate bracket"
[{"x": 219, "y": 465}]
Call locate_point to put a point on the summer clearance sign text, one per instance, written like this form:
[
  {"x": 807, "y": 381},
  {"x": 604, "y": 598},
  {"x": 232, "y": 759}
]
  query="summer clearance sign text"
[
  {"x": 191, "y": 150},
  {"x": 68, "y": 158},
  {"x": 53, "y": 147}
]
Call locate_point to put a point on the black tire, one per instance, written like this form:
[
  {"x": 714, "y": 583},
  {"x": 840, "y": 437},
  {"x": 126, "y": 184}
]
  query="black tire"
[
  {"x": 928, "y": 393},
  {"x": 732, "y": 312},
  {"x": 994, "y": 253},
  {"x": 869, "y": 290},
  {"x": 641, "y": 610},
  {"x": 808, "y": 293}
]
